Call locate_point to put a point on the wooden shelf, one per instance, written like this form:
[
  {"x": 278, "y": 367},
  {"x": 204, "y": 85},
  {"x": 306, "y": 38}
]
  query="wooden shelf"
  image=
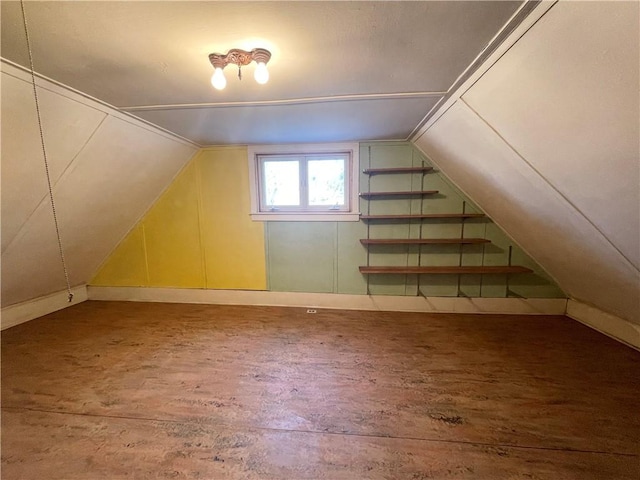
[
  {"x": 421, "y": 241},
  {"x": 447, "y": 270},
  {"x": 384, "y": 171},
  {"x": 399, "y": 194},
  {"x": 421, "y": 216}
]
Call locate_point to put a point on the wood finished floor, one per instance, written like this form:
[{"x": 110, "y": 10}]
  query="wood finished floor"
[{"x": 111, "y": 390}]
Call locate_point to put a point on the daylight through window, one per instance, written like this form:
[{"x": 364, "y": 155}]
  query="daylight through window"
[{"x": 303, "y": 185}]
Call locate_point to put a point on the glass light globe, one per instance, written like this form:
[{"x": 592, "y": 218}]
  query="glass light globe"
[
  {"x": 218, "y": 80},
  {"x": 261, "y": 74}
]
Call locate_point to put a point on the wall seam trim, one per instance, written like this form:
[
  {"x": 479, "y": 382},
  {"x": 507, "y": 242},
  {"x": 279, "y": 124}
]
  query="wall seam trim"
[
  {"x": 131, "y": 118},
  {"x": 434, "y": 114},
  {"x": 289, "y": 101},
  {"x": 200, "y": 210},
  {"x": 45, "y": 198},
  {"x": 146, "y": 256},
  {"x": 267, "y": 269},
  {"x": 553, "y": 187},
  {"x": 336, "y": 264}
]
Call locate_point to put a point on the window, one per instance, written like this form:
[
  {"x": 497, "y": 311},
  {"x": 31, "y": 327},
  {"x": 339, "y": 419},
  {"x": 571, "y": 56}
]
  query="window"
[{"x": 304, "y": 182}]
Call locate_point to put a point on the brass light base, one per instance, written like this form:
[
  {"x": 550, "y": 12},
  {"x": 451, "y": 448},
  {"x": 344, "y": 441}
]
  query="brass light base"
[{"x": 239, "y": 57}]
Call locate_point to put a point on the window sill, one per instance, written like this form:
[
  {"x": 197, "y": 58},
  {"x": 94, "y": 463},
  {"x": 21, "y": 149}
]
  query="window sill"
[{"x": 306, "y": 217}]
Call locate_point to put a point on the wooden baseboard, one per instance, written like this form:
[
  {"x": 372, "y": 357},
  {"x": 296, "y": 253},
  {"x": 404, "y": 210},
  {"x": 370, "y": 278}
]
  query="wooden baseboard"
[
  {"x": 539, "y": 306},
  {"x": 611, "y": 325},
  {"x": 30, "y": 309},
  {"x": 606, "y": 323}
]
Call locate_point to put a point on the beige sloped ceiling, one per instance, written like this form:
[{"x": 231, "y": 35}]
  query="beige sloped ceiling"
[
  {"x": 547, "y": 143},
  {"x": 106, "y": 169}
]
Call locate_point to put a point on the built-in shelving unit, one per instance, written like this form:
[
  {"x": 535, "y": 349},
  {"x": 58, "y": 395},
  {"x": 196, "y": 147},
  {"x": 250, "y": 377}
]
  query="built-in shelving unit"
[
  {"x": 474, "y": 270},
  {"x": 388, "y": 171},
  {"x": 416, "y": 193},
  {"x": 422, "y": 241},
  {"x": 422, "y": 216},
  {"x": 422, "y": 219}
]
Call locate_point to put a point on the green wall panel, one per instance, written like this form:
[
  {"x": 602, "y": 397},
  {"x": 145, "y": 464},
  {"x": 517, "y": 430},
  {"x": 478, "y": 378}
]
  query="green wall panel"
[
  {"x": 350, "y": 255},
  {"x": 301, "y": 256},
  {"x": 325, "y": 256}
]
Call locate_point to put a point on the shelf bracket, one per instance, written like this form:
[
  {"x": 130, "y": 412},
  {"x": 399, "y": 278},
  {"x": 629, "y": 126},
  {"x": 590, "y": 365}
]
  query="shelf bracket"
[
  {"x": 507, "y": 287},
  {"x": 460, "y": 292},
  {"x": 512, "y": 294}
]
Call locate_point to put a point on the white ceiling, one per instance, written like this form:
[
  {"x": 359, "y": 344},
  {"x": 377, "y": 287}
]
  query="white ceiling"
[{"x": 368, "y": 70}]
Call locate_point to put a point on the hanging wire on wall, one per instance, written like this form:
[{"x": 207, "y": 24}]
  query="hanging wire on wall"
[{"x": 44, "y": 154}]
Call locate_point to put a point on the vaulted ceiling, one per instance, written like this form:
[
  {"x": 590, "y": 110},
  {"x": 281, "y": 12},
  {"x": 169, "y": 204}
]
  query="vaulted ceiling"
[{"x": 339, "y": 70}]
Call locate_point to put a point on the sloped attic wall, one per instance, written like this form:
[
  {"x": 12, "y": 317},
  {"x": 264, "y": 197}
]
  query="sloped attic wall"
[
  {"x": 547, "y": 143},
  {"x": 106, "y": 169}
]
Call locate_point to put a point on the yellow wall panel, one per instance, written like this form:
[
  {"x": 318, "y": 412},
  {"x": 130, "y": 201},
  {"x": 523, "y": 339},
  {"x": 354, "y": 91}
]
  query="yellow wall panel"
[
  {"x": 198, "y": 234},
  {"x": 233, "y": 244},
  {"x": 127, "y": 265},
  {"x": 172, "y": 234}
]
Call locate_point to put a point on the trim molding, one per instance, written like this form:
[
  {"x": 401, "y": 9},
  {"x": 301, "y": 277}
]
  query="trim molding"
[
  {"x": 615, "y": 327},
  {"x": 22, "y": 73},
  {"x": 531, "y": 306},
  {"x": 526, "y": 17},
  {"x": 603, "y": 322},
  {"x": 287, "y": 101},
  {"x": 23, "y": 312}
]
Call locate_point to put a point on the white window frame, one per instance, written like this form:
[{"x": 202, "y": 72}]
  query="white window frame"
[{"x": 349, "y": 214}]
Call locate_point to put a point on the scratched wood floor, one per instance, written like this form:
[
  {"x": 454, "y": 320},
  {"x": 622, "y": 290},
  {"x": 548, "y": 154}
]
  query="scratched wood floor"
[{"x": 111, "y": 390}]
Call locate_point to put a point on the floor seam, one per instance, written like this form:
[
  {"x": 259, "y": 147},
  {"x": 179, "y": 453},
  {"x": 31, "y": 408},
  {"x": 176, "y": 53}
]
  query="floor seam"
[{"x": 327, "y": 432}]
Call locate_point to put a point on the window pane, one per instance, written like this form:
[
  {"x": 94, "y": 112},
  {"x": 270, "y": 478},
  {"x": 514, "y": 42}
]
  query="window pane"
[
  {"x": 326, "y": 182},
  {"x": 281, "y": 183}
]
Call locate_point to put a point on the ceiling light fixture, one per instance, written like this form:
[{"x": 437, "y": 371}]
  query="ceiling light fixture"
[{"x": 240, "y": 58}]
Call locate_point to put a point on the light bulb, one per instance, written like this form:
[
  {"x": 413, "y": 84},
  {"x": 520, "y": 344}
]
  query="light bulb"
[
  {"x": 217, "y": 80},
  {"x": 261, "y": 74}
]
